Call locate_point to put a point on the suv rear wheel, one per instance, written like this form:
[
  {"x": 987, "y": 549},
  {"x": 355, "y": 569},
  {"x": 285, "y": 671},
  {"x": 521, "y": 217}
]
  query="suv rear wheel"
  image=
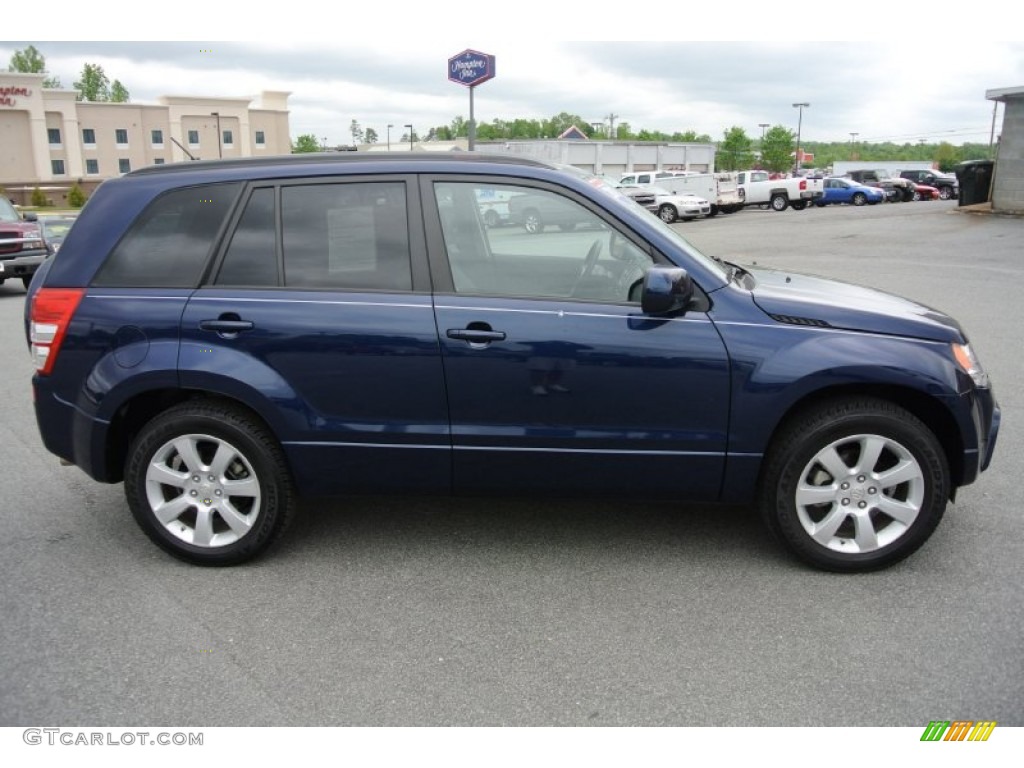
[
  {"x": 208, "y": 483},
  {"x": 855, "y": 485}
]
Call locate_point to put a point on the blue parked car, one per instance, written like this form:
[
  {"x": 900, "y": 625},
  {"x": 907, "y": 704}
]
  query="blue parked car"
[
  {"x": 226, "y": 337},
  {"x": 850, "y": 192}
]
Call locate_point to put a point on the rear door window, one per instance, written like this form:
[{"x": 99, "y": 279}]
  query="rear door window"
[{"x": 352, "y": 235}]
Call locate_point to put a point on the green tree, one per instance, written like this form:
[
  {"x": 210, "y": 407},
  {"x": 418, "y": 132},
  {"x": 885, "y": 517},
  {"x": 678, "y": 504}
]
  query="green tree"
[
  {"x": 31, "y": 60},
  {"x": 307, "y": 142},
  {"x": 370, "y": 137},
  {"x": 118, "y": 93},
  {"x": 76, "y": 197},
  {"x": 946, "y": 156},
  {"x": 38, "y": 198},
  {"x": 562, "y": 122},
  {"x": 459, "y": 127},
  {"x": 777, "y": 149},
  {"x": 93, "y": 85},
  {"x": 735, "y": 151},
  {"x": 692, "y": 137},
  {"x": 624, "y": 132},
  {"x": 356, "y": 131}
]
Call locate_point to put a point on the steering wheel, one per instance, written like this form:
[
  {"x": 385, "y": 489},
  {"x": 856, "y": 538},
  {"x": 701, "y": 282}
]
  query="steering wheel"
[{"x": 587, "y": 268}]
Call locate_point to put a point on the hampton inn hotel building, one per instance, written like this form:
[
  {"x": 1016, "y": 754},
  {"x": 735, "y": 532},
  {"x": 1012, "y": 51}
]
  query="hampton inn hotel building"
[{"x": 51, "y": 141}]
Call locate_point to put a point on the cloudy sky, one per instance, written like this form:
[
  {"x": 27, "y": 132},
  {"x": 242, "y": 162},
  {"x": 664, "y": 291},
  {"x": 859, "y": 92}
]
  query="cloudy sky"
[{"x": 901, "y": 81}]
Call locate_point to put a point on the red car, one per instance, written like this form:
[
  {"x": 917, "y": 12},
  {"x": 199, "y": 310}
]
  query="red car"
[{"x": 924, "y": 192}]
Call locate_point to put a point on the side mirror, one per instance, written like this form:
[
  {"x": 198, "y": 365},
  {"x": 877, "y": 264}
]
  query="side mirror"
[
  {"x": 30, "y": 216},
  {"x": 666, "y": 290}
]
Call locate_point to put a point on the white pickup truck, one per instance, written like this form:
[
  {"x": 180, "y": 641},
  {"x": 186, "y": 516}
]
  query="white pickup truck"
[
  {"x": 756, "y": 188},
  {"x": 718, "y": 189}
]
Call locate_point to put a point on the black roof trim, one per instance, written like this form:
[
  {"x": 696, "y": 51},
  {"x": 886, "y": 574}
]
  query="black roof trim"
[{"x": 339, "y": 158}]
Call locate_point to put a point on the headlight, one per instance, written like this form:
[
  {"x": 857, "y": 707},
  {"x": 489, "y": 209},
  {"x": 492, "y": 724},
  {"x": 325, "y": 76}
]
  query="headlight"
[{"x": 964, "y": 356}]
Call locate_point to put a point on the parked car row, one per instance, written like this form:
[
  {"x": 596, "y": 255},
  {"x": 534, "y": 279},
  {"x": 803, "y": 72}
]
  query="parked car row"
[{"x": 686, "y": 195}]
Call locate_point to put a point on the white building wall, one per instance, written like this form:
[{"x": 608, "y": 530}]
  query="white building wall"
[{"x": 611, "y": 158}]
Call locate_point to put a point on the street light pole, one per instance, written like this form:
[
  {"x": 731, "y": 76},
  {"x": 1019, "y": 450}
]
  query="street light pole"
[
  {"x": 799, "y": 124},
  {"x": 409, "y": 126},
  {"x": 762, "y": 126},
  {"x": 390, "y": 126},
  {"x": 220, "y": 146},
  {"x": 853, "y": 142}
]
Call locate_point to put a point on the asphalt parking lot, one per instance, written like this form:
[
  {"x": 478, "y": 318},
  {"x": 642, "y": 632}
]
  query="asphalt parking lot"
[{"x": 397, "y": 611}]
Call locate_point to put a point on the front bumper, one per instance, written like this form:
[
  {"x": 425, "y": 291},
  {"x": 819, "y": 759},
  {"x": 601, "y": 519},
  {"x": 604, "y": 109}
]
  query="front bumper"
[{"x": 21, "y": 266}]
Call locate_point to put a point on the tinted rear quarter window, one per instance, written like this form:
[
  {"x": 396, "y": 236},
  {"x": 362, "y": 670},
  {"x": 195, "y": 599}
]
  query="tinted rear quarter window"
[{"x": 167, "y": 246}]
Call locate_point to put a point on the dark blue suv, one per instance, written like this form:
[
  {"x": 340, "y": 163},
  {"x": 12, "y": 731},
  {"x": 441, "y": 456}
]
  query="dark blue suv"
[{"x": 227, "y": 336}]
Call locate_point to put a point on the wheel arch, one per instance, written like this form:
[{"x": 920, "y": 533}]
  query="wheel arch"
[
  {"x": 928, "y": 409},
  {"x": 133, "y": 414}
]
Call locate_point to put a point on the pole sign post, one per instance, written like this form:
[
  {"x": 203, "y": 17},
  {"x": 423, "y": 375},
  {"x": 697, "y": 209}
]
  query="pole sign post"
[{"x": 470, "y": 68}]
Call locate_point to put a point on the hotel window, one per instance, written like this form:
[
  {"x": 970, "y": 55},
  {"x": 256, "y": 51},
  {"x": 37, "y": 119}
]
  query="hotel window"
[
  {"x": 229, "y": 139},
  {"x": 92, "y": 166},
  {"x": 193, "y": 138},
  {"x": 89, "y": 137},
  {"x": 54, "y": 135},
  {"x": 261, "y": 139},
  {"x": 124, "y": 165},
  {"x": 58, "y": 167},
  {"x": 158, "y": 138},
  {"x": 121, "y": 137}
]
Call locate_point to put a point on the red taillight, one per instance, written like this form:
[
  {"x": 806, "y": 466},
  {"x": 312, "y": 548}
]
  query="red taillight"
[
  {"x": 52, "y": 310},
  {"x": 803, "y": 184}
]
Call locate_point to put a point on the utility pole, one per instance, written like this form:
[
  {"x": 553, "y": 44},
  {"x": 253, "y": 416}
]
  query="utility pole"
[
  {"x": 611, "y": 124},
  {"x": 799, "y": 105},
  {"x": 853, "y": 142}
]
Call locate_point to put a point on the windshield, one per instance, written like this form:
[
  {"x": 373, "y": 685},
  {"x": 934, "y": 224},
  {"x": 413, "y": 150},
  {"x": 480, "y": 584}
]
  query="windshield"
[{"x": 7, "y": 212}]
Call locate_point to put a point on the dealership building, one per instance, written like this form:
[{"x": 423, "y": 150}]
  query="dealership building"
[{"x": 50, "y": 140}]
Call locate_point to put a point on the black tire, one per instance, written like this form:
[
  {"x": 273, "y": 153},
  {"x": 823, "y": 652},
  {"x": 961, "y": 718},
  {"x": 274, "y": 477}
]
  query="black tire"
[
  {"x": 909, "y": 194},
  {"x": 714, "y": 211},
  {"x": 229, "y": 462},
  {"x": 532, "y": 221},
  {"x": 778, "y": 202},
  {"x": 859, "y": 198},
  {"x": 668, "y": 213},
  {"x": 844, "y": 432},
  {"x": 798, "y": 205},
  {"x": 945, "y": 193}
]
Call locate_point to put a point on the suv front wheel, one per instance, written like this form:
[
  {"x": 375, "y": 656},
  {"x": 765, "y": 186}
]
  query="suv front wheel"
[
  {"x": 208, "y": 483},
  {"x": 855, "y": 485}
]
